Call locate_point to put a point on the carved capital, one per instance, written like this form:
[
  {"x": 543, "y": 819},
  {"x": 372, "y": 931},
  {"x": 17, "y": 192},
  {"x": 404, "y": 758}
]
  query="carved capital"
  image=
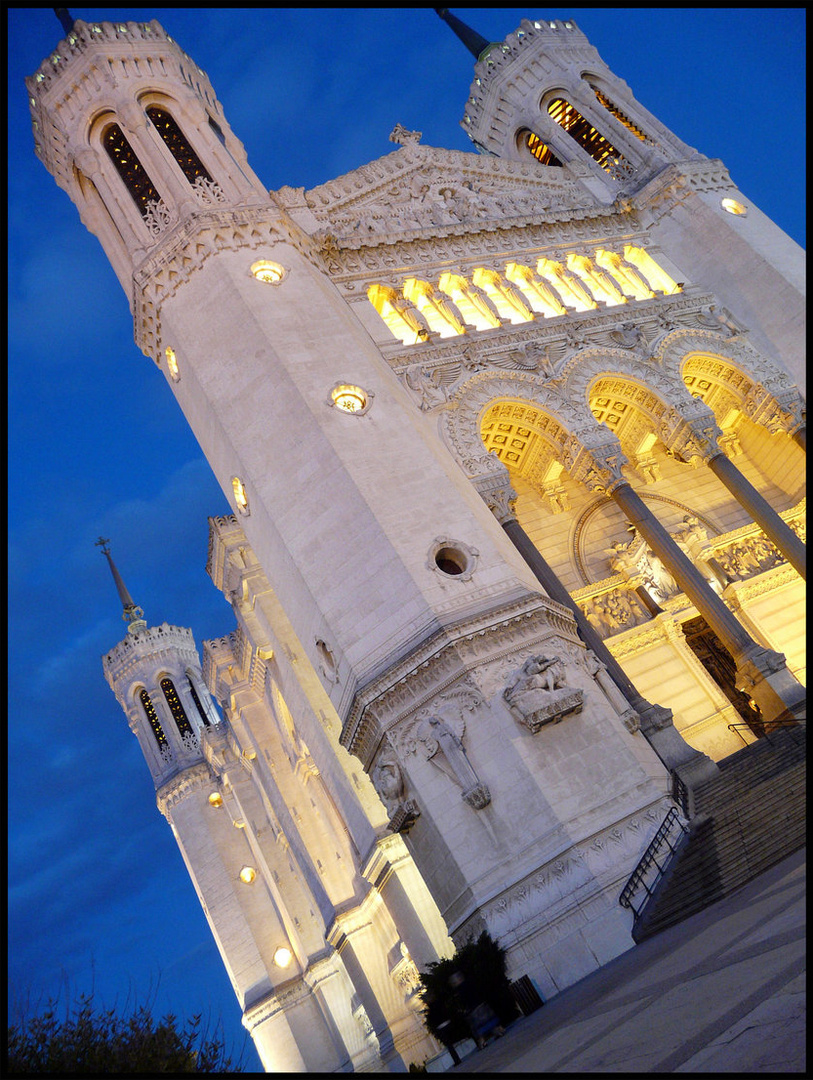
[
  {"x": 695, "y": 440},
  {"x": 497, "y": 493},
  {"x": 598, "y": 468}
]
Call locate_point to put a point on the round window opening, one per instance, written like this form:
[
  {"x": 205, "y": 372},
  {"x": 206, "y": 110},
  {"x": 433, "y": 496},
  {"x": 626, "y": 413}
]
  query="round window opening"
[{"x": 451, "y": 561}]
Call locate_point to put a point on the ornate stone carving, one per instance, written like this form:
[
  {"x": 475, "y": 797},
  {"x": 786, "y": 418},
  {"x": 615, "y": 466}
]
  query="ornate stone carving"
[
  {"x": 613, "y": 612},
  {"x": 440, "y": 741},
  {"x": 404, "y": 137},
  {"x": 158, "y": 217},
  {"x": 640, "y": 566},
  {"x": 537, "y": 693},
  {"x": 389, "y": 782},
  {"x": 426, "y": 387},
  {"x": 209, "y": 192},
  {"x": 719, "y": 318}
]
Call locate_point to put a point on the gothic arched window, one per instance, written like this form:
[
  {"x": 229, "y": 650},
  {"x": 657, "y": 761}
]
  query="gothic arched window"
[
  {"x": 152, "y": 716},
  {"x": 129, "y": 168},
  {"x": 583, "y": 132},
  {"x": 621, "y": 117},
  {"x": 175, "y": 707},
  {"x": 179, "y": 147},
  {"x": 198, "y": 705},
  {"x": 537, "y": 148}
]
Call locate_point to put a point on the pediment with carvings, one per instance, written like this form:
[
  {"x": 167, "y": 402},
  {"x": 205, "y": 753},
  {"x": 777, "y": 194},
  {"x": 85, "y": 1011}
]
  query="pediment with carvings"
[{"x": 419, "y": 188}]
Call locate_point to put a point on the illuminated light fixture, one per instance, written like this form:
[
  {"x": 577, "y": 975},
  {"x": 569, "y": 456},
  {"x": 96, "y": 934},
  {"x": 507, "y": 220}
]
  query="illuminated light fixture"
[
  {"x": 270, "y": 273},
  {"x": 731, "y": 206},
  {"x": 283, "y": 957},
  {"x": 216, "y": 799},
  {"x": 240, "y": 496},
  {"x": 248, "y": 874},
  {"x": 172, "y": 364},
  {"x": 351, "y": 399}
]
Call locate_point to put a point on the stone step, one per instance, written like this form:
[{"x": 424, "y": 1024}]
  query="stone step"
[{"x": 749, "y": 818}]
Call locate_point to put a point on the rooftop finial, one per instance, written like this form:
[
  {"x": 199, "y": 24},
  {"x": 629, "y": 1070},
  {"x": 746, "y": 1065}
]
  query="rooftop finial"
[
  {"x": 65, "y": 18},
  {"x": 474, "y": 42},
  {"x": 132, "y": 612}
]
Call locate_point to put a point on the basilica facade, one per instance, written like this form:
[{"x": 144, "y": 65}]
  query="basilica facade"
[{"x": 514, "y": 441}]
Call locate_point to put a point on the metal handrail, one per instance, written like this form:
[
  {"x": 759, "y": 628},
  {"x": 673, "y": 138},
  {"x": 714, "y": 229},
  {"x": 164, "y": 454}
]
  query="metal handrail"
[
  {"x": 636, "y": 878},
  {"x": 768, "y": 726}
]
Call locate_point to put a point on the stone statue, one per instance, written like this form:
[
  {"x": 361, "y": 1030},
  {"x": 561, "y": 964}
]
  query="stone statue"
[
  {"x": 537, "y": 693},
  {"x": 444, "y": 748}
]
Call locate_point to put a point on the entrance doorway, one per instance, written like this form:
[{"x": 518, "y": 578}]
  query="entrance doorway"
[{"x": 719, "y": 663}]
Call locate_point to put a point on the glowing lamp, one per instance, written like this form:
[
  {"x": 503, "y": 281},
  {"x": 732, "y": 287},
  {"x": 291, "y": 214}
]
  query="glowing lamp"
[{"x": 270, "y": 273}]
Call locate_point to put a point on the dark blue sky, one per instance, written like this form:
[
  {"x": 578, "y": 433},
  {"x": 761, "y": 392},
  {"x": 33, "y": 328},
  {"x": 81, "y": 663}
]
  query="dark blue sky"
[{"x": 98, "y": 894}]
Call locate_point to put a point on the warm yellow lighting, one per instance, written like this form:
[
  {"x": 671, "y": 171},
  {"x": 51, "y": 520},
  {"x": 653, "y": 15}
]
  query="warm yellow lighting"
[
  {"x": 654, "y": 275},
  {"x": 283, "y": 957},
  {"x": 215, "y": 799},
  {"x": 172, "y": 364},
  {"x": 248, "y": 874},
  {"x": 734, "y": 207},
  {"x": 240, "y": 496},
  {"x": 269, "y": 272},
  {"x": 350, "y": 398}
]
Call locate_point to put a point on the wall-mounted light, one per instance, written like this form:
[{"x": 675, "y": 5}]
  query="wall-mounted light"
[
  {"x": 283, "y": 957},
  {"x": 248, "y": 874},
  {"x": 270, "y": 273}
]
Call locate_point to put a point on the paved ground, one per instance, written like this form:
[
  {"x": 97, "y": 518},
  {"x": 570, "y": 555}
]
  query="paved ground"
[{"x": 722, "y": 992}]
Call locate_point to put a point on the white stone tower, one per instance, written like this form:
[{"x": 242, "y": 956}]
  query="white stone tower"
[
  {"x": 439, "y": 393},
  {"x": 325, "y": 979}
]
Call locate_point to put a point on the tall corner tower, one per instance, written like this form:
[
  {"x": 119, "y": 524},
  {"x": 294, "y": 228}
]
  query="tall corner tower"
[{"x": 544, "y": 94}]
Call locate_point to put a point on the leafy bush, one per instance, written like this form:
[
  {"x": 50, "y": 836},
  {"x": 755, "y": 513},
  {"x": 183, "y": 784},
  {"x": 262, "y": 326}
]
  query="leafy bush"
[
  {"x": 482, "y": 965},
  {"x": 97, "y": 1041}
]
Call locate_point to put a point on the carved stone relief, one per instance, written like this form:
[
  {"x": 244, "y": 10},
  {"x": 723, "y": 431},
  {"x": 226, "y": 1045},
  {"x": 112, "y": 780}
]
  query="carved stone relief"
[
  {"x": 538, "y": 695},
  {"x": 391, "y": 785}
]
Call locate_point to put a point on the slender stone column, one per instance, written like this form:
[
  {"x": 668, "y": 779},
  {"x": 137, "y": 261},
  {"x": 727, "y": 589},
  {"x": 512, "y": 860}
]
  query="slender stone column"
[
  {"x": 656, "y": 724},
  {"x": 762, "y": 672},
  {"x": 760, "y": 510}
]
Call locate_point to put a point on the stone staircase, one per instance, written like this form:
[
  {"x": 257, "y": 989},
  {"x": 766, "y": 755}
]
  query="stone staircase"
[{"x": 747, "y": 818}]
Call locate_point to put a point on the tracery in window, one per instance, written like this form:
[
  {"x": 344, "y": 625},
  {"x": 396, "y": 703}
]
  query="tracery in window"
[
  {"x": 178, "y": 145},
  {"x": 129, "y": 168},
  {"x": 542, "y": 152},
  {"x": 152, "y": 717},
  {"x": 175, "y": 707},
  {"x": 582, "y": 131},
  {"x": 620, "y": 116}
]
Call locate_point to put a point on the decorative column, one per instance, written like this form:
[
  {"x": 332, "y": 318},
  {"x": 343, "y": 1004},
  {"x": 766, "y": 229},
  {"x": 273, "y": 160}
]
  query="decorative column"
[
  {"x": 762, "y": 673},
  {"x": 656, "y": 724},
  {"x": 697, "y": 440}
]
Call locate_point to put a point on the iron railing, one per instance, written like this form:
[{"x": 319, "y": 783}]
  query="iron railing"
[
  {"x": 768, "y": 726},
  {"x": 638, "y": 877}
]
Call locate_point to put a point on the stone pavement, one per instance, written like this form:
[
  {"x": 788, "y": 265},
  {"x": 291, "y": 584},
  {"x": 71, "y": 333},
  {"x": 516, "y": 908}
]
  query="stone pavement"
[{"x": 723, "y": 991}]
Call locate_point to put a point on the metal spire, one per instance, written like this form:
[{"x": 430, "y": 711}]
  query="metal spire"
[
  {"x": 474, "y": 42},
  {"x": 132, "y": 612},
  {"x": 65, "y": 18}
]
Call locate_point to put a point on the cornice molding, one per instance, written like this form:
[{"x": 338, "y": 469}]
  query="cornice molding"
[
  {"x": 444, "y": 659},
  {"x": 190, "y": 244}
]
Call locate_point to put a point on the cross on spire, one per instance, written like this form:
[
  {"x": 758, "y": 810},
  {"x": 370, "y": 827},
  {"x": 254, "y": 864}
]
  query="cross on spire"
[{"x": 133, "y": 614}]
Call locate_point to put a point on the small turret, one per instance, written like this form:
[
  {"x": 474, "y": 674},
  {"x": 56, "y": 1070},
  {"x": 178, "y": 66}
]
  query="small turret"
[{"x": 156, "y": 676}]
